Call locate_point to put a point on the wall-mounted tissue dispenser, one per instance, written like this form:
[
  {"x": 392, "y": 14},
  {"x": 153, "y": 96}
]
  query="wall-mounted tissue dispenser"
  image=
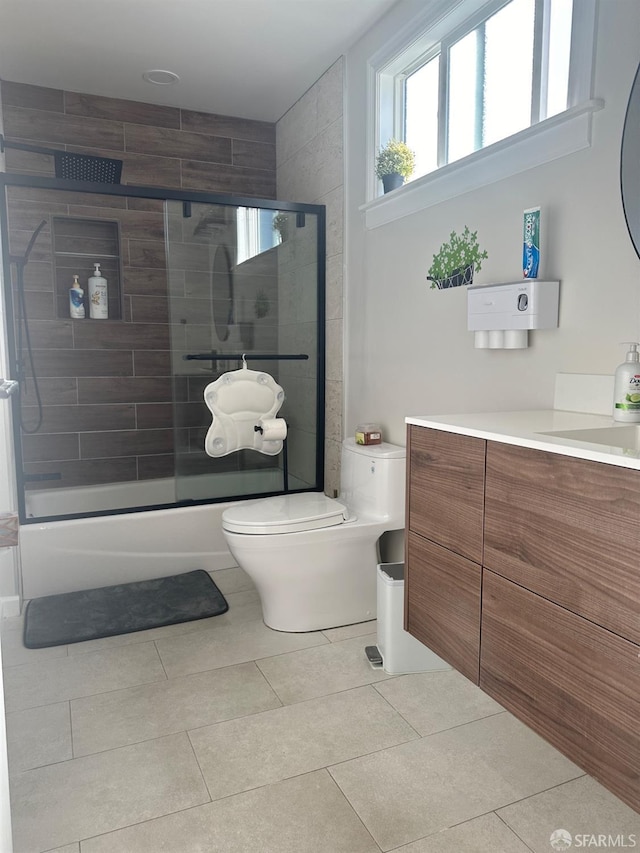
[{"x": 501, "y": 314}]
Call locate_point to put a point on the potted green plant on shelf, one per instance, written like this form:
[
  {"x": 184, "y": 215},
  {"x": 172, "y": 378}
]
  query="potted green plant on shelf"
[
  {"x": 457, "y": 260},
  {"x": 281, "y": 225},
  {"x": 394, "y": 164}
]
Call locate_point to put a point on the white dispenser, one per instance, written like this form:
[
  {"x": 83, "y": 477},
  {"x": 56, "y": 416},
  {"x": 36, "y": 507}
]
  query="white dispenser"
[
  {"x": 502, "y": 314},
  {"x": 98, "y": 303},
  {"x": 626, "y": 393},
  {"x": 76, "y": 300}
]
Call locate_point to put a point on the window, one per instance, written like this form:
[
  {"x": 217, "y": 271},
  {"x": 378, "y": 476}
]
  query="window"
[
  {"x": 482, "y": 72},
  {"x": 255, "y": 232},
  {"x": 485, "y": 80}
]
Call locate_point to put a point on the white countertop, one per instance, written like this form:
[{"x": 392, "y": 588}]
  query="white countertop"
[{"x": 527, "y": 429}]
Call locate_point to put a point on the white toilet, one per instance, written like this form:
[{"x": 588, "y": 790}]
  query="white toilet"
[{"x": 314, "y": 559}]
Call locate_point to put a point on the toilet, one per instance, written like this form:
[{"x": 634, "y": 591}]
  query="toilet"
[{"x": 313, "y": 559}]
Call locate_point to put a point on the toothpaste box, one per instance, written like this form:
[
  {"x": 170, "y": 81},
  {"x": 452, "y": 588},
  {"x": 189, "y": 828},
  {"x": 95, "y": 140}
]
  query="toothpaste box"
[{"x": 531, "y": 243}]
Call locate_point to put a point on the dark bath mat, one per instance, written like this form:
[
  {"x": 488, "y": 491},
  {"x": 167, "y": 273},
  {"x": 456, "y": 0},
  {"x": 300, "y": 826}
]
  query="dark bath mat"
[{"x": 72, "y": 617}]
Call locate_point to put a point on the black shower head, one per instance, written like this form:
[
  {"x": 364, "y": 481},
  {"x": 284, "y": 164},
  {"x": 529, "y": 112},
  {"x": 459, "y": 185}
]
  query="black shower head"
[
  {"x": 84, "y": 167},
  {"x": 74, "y": 167}
]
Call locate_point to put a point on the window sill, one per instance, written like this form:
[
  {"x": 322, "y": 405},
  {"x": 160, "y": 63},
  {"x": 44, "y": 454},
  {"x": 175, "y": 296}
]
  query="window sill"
[{"x": 549, "y": 140}]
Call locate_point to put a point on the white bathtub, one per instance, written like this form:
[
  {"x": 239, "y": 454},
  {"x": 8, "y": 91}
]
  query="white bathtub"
[
  {"x": 83, "y": 553},
  {"x": 63, "y": 556}
]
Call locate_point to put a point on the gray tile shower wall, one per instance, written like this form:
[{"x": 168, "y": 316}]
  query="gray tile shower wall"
[
  {"x": 311, "y": 169},
  {"x": 106, "y": 385}
]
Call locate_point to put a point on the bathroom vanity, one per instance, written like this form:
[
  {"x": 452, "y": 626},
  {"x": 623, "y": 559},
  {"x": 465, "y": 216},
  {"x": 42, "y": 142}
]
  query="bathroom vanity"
[{"x": 523, "y": 572}]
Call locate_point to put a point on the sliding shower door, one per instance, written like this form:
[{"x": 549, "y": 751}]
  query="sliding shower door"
[
  {"x": 110, "y": 415},
  {"x": 244, "y": 281}
]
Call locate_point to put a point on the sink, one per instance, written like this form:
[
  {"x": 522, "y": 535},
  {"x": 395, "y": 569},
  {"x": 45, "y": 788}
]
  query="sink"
[{"x": 626, "y": 438}]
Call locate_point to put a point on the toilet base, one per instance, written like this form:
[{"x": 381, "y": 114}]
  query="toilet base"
[
  {"x": 315, "y": 580},
  {"x": 291, "y": 623}
]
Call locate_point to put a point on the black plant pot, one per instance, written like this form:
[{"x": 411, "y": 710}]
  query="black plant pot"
[
  {"x": 392, "y": 182},
  {"x": 455, "y": 279},
  {"x": 458, "y": 278}
]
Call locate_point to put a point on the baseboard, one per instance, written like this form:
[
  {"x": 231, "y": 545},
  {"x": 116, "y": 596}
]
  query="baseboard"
[{"x": 9, "y": 606}]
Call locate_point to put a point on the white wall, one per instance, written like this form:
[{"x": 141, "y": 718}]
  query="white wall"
[{"x": 407, "y": 348}]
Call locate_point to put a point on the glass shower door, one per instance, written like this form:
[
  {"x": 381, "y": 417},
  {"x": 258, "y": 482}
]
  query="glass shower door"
[
  {"x": 110, "y": 414},
  {"x": 244, "y": 281}
]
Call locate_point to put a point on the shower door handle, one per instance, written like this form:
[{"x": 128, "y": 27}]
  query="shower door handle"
[{"x": 7, "y": 388}]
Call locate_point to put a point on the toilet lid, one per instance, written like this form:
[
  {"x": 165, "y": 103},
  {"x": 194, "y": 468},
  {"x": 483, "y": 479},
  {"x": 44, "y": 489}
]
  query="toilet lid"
[{"x": 284, "y": 514}]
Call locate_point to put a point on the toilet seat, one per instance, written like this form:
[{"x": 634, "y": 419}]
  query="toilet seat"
[{"x": 284, "y": 514}]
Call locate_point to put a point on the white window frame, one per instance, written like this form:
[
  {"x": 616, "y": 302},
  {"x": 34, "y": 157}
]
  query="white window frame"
[{"x": 548, "y": 139}]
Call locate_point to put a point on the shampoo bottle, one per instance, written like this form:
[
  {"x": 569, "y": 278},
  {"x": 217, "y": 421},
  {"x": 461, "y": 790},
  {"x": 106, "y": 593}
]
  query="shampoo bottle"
[
  {"x": 98, "y": 305},
  {"x": 626, "y": 395},
  {"x": 76, "y": 300}
]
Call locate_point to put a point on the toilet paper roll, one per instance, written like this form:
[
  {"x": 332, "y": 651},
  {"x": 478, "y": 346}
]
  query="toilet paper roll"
[
  {"x": 496, "y": 339},
  {"x": 482, "y": 340},
  {"x": 273, "y": 429}
]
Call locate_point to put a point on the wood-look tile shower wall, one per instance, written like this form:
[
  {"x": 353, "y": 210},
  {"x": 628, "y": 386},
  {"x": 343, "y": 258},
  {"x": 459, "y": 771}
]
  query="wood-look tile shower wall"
[{"x": 106, "y": 385}]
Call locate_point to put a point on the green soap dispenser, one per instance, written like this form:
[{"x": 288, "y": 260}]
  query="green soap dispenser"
[{"x": 626, "y": 395}]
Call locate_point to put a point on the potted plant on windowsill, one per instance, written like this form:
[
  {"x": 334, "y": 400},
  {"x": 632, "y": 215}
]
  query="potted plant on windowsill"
[
  {"x": 457, "y": 260},
  {"x": 281, "y": 225},
  {"x": 394, "y": 164}
]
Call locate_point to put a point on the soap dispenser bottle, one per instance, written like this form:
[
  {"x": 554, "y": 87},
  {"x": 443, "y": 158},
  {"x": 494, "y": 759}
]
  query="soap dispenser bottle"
[
  {"x": 76, "y": 300},
  {"x": 626, "y": 395},
  {"x": 98, "y": 304}
]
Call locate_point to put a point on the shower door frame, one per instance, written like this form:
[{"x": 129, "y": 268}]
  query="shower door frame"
[{"x": 8, "y": 179}]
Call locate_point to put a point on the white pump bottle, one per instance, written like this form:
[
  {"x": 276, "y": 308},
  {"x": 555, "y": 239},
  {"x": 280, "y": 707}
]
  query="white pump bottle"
[
  {"x": 76, "y": 300},
  {"x": 98, "y": 303},
  {"x": 626, "y": 395}
]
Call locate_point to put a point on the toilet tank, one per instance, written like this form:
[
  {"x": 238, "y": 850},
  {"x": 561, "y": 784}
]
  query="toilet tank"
[{"x": 373, "y": 481}]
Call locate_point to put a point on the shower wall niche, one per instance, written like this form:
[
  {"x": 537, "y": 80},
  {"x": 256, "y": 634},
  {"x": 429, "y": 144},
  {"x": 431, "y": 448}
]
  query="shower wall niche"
[{"x": 77, "y": 244}]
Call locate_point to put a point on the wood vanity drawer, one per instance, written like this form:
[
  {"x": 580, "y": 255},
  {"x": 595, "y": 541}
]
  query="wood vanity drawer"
[
  {"x": 568, "y": 529},
  {"x": 445, "y": 489},
  {"x": 443, "y": 603},
  {"x": 574, "y": 683}
]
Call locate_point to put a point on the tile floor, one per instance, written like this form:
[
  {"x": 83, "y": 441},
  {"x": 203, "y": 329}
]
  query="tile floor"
[{"x": 221, "y": 736}]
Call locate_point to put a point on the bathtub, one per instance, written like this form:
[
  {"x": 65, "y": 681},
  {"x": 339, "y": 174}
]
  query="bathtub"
[{"x": 83, "y": 553}]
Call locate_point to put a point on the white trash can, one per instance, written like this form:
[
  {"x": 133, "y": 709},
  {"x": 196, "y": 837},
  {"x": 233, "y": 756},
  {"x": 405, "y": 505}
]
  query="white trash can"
[{"x": 399, "y": 651}]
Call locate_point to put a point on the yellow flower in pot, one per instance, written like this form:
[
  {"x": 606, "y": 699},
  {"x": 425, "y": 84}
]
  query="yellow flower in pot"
[{"x": 394, "y": 164}]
